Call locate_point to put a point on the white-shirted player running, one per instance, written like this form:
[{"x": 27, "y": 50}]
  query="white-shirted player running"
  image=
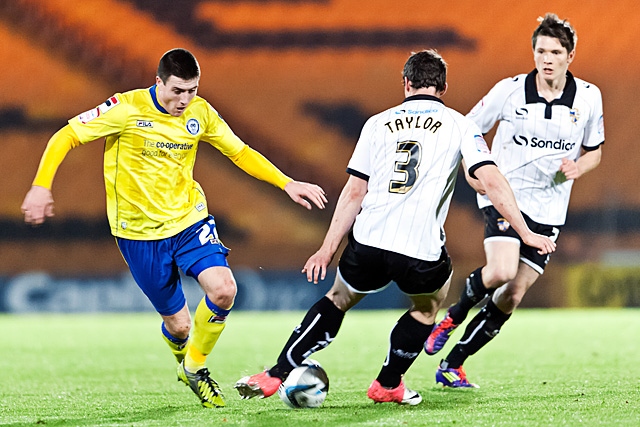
[
  {"x": 549, "y": 134},
  {"x": 401, "y": 178}
]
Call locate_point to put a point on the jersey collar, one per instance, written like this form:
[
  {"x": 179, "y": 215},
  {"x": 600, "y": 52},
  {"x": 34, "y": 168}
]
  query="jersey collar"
[
  {"x": 423, "y": 98},
  {"x": 566, "y": 99},
  {"x": 152, "y": 91}
]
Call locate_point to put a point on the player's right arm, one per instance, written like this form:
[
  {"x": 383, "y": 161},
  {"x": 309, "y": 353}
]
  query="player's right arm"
[
  {"x": 499, "y": 191},
  {"x": 488, "y": 110},
  {"x": 38, "y": 203},
  {"x": 349, "y": 203},
  {"x": 347, "y": 208},
  {"x": 101, "y": 121}
]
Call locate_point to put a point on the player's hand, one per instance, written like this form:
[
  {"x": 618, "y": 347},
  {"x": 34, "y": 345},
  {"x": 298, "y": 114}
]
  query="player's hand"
[
  {"x": 570, "y": 169},
  {"x": 302, "y": 192},
  {"x": 316, "y": 266},
  {"x": 37, "y": 205},
  {"x": 544, "y": 244}
]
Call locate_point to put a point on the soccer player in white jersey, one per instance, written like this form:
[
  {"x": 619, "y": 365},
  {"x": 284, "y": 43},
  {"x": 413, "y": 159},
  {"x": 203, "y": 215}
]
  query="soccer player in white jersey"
[
  {"x": 401, "y": 178},
  {"x": 157, "y": 211},
  {"x": 549, "y": 134}
]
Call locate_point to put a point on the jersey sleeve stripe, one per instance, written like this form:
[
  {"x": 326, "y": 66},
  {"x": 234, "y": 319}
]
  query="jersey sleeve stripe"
[
  {"x": 357, "y": 174},
  {"x": 475, "y": 167},
  {"x": 592, "y": 148}
]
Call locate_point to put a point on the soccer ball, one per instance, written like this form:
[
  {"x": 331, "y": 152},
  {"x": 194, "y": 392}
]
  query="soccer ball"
[{"x": 306, "y": 386}]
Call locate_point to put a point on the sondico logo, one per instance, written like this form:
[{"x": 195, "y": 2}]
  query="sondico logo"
[{"x": 560, "y": 144}]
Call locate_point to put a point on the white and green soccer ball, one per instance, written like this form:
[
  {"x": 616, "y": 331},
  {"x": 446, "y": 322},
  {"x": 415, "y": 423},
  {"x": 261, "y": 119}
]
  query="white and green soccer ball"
[{"x": 306, "y": 386}]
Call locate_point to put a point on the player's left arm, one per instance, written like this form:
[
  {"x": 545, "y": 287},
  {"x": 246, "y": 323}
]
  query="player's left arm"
[
  {"x": 592, "y": 142},
  {"x": 587, "y": 162},
  {"x": 256, "y": 165},
  {"x": 219, "y": 134},
  {"x": 473, "y": 182}
]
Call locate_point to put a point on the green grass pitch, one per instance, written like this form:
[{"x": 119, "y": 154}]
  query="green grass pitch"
[{"x": 546, "y": 368}]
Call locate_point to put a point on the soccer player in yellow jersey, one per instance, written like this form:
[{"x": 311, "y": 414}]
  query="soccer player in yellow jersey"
[{"x": 157, "y": 211}]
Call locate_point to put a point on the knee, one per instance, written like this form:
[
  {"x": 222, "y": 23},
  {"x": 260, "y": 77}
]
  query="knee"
[
  {"x": 343, "y": 301},
  {"x": 509, "y": 298},
  {"x": 224, "y": 293},
  {"x": 179, "y": 328},
  {"x": 498, "y": 276},
  {"x": 338, "y": 300}
]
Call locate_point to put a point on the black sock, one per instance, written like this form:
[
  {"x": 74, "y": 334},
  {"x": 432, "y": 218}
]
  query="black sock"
[
  {"x": 318, "y": 328},
  {"x": 474, "y": 291},
  {"x": 482, "y": 328},
  {"x": 406, "y": 341}
]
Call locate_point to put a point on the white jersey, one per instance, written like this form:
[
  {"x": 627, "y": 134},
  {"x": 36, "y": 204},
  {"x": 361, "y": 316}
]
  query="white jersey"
[
  {"x": 535, "y": 135},
  {"x": 410, "y": 156}
]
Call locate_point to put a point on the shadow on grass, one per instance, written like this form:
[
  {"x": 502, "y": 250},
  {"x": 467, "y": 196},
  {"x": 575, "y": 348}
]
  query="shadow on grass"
[{"x": 154, "y": 415}]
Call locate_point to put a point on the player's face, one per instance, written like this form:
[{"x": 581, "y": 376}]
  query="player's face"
[
  {"x": 551, "y": 58},
  {"x": 176, "y": 94}
]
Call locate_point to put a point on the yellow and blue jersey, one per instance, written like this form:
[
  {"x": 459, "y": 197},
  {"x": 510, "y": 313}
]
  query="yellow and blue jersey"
[{"x": 149, "y": 158}]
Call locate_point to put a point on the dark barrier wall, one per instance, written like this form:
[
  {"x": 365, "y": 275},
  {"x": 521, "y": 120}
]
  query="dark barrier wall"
[
  {"x": 578, "y": 285},
  {"x": 41, "y": 292}
]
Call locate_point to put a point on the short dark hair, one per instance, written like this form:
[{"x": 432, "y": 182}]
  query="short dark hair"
[
  {"x": 552, "y": 26},
  {"x": 426, "y": 69},
  {"x": 180, "y": 63}
]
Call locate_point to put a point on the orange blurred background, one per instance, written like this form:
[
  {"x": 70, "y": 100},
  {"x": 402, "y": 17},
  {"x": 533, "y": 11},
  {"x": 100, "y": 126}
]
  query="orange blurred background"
[{"x": 296, "y": 80}]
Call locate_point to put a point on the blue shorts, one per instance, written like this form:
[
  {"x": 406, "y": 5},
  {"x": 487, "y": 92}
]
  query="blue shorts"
[{"x": 156, "y": 264}]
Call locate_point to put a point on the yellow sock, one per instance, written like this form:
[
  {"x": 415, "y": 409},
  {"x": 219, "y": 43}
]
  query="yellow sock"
[
  {"x": 209, "y": 321},
  {"x": 178, "y": 347}
]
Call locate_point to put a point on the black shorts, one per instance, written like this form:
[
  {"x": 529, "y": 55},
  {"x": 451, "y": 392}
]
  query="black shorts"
[
  {"x": 367, "y": 270},
  {"x": 495, "y": 226}
]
